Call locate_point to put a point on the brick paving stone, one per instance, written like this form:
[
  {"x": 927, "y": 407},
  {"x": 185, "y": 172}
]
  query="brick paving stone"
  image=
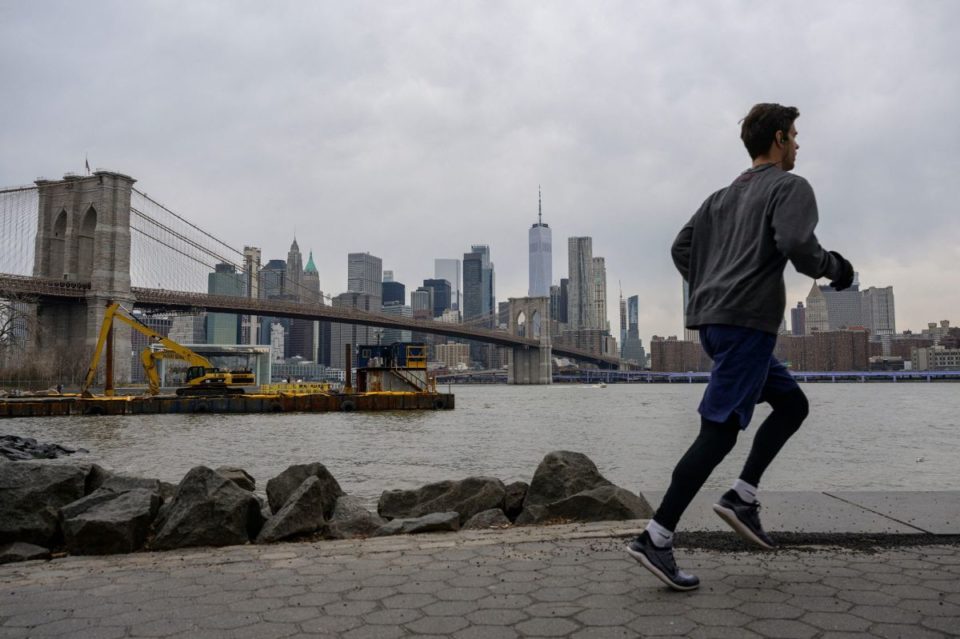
[
  {"x": 63, "y": 627},
  {"x": 552, "y": 609},
  {"x": 783, "y": 629},
  {"x": 836, "y": 621},
  {"x": 662, "y": 626},
  {"x": 374, "y": 632},
  {"x": 820, "y": 604},
  {"x": 462, "y": 594},
  {"x": 450, "y": 608},
  {"x": 605, "y": 617},
  {"x": 228, "y": 620},
  {"x": 898, "y": 631},
  {"x": 948, "y": 625},
  {"x": 392, "y": 616},
  {"x": 497, "y": 617},
  {"x": 603, "y": 633},
  {"x": 733, "y": 618},
  {"x": 327, "y": 625},
  {"x": 930, "y": 608},
  {"x": 160, "y": 627},
  {"x": 291, "y": 614},
  {"x": 722, "y": 632},
  {"x": 369, "y": 594},
  {"x": 437, "y": 625},
  {"x": 350, "y": 608},
  {"x": 885, "y": 614},
  {"x": 551, "y": 593},
  {"x": 505, "y": 601},
  {"x": 761, "y": 610},
  {"x": 408, "y": 601},
  {"x": 546, "y": 627},
  {"x": 486, "y": 632}
]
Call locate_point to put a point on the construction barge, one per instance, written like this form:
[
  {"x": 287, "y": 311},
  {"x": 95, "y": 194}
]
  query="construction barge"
[{"x": 389, "y": 377}]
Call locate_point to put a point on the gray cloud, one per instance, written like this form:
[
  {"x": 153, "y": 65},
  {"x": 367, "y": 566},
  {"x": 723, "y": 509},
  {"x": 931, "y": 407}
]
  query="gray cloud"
[{"x": 412, "y": 130}]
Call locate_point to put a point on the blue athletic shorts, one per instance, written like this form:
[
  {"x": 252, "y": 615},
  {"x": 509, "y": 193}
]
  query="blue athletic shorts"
[{"x": 744, "y": 372}]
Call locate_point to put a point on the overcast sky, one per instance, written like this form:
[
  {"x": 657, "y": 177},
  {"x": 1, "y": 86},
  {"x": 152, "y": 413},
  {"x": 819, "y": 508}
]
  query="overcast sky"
[{"x": 414, "y": 129}]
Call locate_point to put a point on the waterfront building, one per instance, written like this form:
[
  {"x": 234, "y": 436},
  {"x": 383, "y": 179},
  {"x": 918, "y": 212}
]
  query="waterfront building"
[
  {"x": 935, "y": 358},
  {"x": 421, "y": 301},
  {"x": 138, "y": 341},
  {"x": 843, "y": 350},
  {"x": 600, "y": 293},
  {"x": 449, "y": 269},
  {"x": 189, "y": 329},
  {"x": 453, "y": 356},
  {"x": 798, "y": 320},
  {"x": 623, "y": 323},
  {"x": 394, "y": 293},
  {"x": 441, "y": 295},
  {"x": 581, "y": 294},
  {"x": 671, "y": 355},
  {"x": 541, "y": 256},
  {"x": 937, "y": 332},
  {"x": 224, "y": 328}
]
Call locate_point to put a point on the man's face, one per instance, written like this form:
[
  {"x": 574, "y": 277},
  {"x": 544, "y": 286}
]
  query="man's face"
[{"x": 790, "y": 147}]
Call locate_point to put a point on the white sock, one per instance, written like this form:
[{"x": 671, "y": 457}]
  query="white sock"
[
  {"x": 660, "y": 536},
  {"x": 747, "y": 492}
]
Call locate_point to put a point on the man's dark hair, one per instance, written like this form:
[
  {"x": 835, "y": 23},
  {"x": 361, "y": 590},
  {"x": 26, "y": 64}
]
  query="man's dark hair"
[{"x": 759, "y": 128}]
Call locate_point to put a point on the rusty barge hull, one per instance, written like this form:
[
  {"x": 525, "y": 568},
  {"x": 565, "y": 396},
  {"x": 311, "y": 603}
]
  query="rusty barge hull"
[{"x": 233, "y": 404}]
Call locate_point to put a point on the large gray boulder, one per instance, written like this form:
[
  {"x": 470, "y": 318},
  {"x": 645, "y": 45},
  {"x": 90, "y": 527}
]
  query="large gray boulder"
[
  {"x": 19, "y": 551},
  {"x": 493, "y": 518},
  {"x": 513, "y": 500},
  {"x": 239, "y": 476},
  {"x": 302, "y": 514},
  {"x": 111, "y": 522},
  {"x": 467, "y": 497},
  {"x": 434, "y": 522},
  {"x": 208, "y": 510},
  {"x": 606, "y": 503},
  {"x": 32, "y": 493},
  {"x": 123, "y": 483},
  {"x": 283, "y": 485},
  {"x": 562, "y": 474},
  {"x": 351, "y": 520}
]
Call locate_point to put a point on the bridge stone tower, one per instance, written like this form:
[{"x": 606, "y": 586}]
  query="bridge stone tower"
[
  {"x": 83, "y": 235},
  {"x": 530, "y": 317}
]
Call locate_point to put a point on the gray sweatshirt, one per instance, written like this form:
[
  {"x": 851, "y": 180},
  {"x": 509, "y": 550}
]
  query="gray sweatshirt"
[{"x": 735, "y": 247}]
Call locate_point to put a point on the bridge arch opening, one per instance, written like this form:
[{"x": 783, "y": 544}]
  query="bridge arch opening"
[
  {"x": 85, "y": 245},
  {"x": 58, "y": 246},
  {"x": 521, "y": 324},
  {"x": 535, "y": 327}
]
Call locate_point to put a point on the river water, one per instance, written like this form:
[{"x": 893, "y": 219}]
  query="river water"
[{"x": 879, "y": 436}]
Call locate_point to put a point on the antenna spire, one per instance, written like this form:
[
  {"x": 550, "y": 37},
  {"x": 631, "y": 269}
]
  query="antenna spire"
[{"x": 539, "y": 206}]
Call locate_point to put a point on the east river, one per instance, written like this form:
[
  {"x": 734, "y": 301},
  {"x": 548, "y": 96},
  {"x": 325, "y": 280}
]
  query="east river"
[{"x": 879, "y": 436}]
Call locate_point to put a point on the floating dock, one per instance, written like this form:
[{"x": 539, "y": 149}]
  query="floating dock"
[{"x": 64, "y": 405}]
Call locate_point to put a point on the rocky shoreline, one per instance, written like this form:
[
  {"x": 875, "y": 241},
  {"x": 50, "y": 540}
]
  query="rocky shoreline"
[
  {"x": 83, "y": 509},
  {"x": 16, "y": 448}
]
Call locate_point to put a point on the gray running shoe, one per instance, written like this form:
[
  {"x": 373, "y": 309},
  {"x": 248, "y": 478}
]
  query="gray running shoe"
[
  {"x": 660, "y": 562},
  {"x": 744, "y": 518}
]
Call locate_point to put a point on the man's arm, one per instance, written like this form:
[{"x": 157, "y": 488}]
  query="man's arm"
[
  {"x": 794, "y": 219},
  {"x": 680, "y": 251}
]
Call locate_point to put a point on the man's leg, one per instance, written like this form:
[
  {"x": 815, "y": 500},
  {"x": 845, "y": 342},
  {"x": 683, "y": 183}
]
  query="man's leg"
[{"x": 739, "y": 506}]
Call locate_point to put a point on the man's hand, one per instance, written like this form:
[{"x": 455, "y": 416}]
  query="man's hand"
[{"x": 845, "y": 279}]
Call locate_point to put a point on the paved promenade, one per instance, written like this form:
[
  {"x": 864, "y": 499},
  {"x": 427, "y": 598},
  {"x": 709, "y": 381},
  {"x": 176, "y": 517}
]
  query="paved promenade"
[{"x": 560, "y": 581}]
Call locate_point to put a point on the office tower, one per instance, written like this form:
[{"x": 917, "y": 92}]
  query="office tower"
[
  {"x": 353, "y": 334},
  {"x": 503, "y": 316},
  {"x": 798, "y": 320},
  {"x": 272, "y": 283},
  {"x": 394, "y": 294},
  {"x": 830, "y": 310},
  {"x": 689, "y": 334},
  {"x": 391, "y": 335},
  {"x": 310, "y": 292},
  {"x": 388, "y": 276},
  {"x": 541, "y": 256},
  {"x": 449, "y": 269},
  {"x": 555, "y": 303},
  {"x": 623, "y": 322},
  {"x": 224, "y": 328},
  {"x": 600, "y": 293},
  {"x": 478, "y": 285},
  {"x": 249, "y": 324},
  {"x": 878, "y": 314},
  {"x": 563, "y": 301},
  {"x": 441, "y": 295},
  {"x": 365, "y": 275},
  {"x": 632, "y": 346},
  {"x": 581, "y": 301},
  {"x": 421, "y": 301},
  {"x": 294, "y": 271}
]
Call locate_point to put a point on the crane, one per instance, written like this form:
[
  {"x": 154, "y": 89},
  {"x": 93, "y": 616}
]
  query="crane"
[{"x": 202, "y": 377}]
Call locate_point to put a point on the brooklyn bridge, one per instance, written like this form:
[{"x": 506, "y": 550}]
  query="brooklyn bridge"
[{"x": 73, "y": 246}]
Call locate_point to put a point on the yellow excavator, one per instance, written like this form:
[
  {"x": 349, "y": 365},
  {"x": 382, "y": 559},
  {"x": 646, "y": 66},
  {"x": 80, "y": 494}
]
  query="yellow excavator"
[{"x": 202, "y": 377}]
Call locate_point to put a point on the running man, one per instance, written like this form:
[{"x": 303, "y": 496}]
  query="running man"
[{"x": 732, "y": 253}]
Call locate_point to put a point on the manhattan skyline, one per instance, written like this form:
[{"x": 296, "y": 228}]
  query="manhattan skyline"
[{"x": 413, "y": 133}]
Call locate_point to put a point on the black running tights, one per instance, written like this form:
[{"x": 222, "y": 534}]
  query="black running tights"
[{"x": 716, "y": 440}]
